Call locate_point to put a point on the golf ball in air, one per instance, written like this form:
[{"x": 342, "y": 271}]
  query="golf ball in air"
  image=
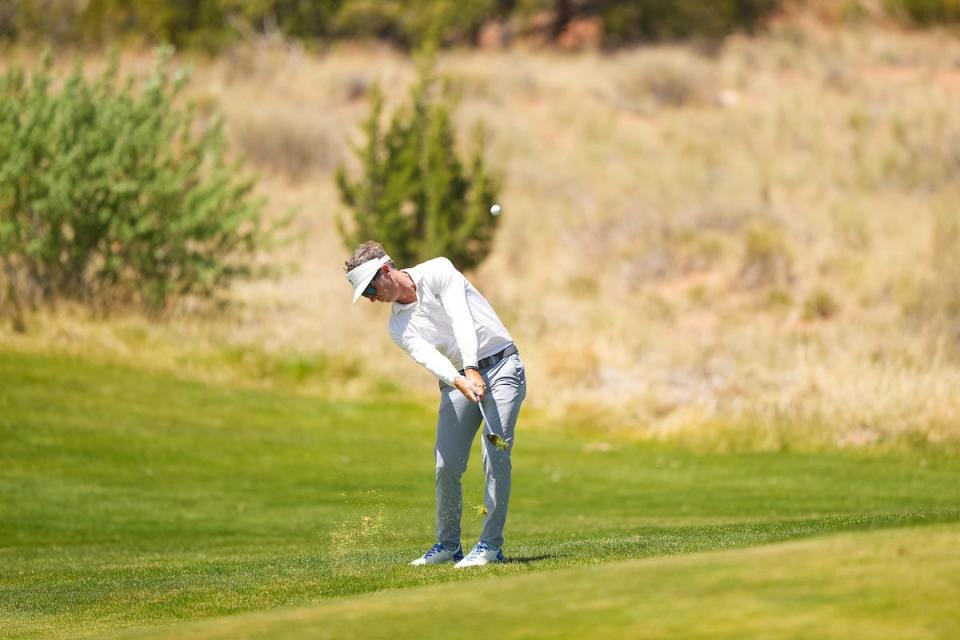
[{"x": 495, "y": 210}]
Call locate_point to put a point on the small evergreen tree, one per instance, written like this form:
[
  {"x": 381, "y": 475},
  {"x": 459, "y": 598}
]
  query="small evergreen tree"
[{"x": 416, "y": 196}]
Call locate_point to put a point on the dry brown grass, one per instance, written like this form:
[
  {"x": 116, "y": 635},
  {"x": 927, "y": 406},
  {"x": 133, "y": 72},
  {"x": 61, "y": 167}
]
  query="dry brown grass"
[{"x": 746, "y": 249}]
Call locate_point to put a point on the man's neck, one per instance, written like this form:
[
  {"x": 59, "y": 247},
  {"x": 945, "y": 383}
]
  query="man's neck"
[{"x": 409, "y": 288}]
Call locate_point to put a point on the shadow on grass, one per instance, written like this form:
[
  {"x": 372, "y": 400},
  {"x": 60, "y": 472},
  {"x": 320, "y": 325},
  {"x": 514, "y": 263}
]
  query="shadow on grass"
[{"x": 528, "y": 559}]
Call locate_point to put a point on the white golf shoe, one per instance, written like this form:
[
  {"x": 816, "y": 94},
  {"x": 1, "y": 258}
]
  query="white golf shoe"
[
  {"x": 438, "y": 554},
  {"x": 480, "y": 555}
]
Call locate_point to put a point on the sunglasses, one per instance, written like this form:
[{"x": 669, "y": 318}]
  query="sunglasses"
[{"x": 371, "y": 290}]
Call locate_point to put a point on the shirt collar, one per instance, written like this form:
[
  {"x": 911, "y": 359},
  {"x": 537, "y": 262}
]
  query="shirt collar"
[{"x": 414, "y": 274}]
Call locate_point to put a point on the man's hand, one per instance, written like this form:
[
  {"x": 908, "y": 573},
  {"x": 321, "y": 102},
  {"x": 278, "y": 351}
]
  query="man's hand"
[{"x": 472, "y": 386}]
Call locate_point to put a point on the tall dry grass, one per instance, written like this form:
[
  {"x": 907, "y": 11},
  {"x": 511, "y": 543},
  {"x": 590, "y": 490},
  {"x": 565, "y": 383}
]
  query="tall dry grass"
[{"x": 751, "y": 247}]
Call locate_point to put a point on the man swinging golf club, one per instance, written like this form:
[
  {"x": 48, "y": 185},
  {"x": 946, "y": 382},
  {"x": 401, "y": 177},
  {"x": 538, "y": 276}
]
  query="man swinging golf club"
[{"x": 444, "y": 323}]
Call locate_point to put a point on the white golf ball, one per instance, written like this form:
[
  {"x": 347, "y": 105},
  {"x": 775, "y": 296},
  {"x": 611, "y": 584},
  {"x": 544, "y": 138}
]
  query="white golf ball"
[{"x": 495, "y": 210}]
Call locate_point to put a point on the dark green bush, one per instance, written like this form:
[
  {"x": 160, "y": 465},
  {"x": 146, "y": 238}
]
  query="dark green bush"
[
  {"x": 415, "y": 195},
  {"x": 212, "y": 24},
  {"x": 113, "y": 194},
  {"x": 199, "y": 24},
  {"x": 926, "y": 12},
  {"x": 40, "y": 20},
  {"x": 411, "y": 25},
  {"x": 630, "y": 21}
]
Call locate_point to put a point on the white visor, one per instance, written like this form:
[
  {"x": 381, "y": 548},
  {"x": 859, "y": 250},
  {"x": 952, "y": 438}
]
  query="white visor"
[{"x": 360, "y": 277}]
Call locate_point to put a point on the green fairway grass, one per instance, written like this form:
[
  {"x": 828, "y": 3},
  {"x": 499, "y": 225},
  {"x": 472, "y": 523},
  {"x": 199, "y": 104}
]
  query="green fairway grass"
[
  {"x": 893, "y": 584},
  {"x": 130, "y": 500}
]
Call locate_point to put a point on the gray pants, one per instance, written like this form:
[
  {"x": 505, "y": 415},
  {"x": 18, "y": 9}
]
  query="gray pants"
[{"x": 457, "y": 426}]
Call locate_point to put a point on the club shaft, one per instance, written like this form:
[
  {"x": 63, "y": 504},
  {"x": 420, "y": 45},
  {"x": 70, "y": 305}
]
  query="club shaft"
[{"x": 483, "y": 414}]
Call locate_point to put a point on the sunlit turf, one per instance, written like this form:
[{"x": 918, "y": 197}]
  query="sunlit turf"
[
  {"x": 901, "y": 583},
  {"x": 130, "y": 499}
]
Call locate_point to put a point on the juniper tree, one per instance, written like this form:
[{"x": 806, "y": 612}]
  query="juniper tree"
[{"x": 415, "y": 195}]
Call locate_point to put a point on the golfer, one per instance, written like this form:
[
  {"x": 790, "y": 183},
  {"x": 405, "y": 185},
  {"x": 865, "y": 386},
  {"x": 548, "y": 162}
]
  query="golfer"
[{"x": 444, "y": 323}]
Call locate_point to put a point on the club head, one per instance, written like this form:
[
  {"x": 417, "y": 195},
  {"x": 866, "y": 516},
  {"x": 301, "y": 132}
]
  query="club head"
[{"x": 499, "y": 443}]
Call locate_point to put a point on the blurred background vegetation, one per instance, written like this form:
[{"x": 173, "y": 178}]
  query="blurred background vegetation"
[
  {"x": 213, "y": 25},
  {"x": 731, "y": 222}
]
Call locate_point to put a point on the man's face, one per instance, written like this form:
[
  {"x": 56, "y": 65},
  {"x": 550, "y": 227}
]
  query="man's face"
[{"x": 387, "y": 289}]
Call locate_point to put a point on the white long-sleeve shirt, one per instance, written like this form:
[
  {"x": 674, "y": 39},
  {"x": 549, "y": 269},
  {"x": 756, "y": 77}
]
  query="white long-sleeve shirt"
[{"x": 450, "y": 326}]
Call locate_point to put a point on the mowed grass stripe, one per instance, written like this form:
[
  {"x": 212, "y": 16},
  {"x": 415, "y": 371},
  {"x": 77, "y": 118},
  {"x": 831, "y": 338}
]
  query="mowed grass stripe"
[
  {"x": 900, "y": 583},
  {"x": 132, "y": 499}
]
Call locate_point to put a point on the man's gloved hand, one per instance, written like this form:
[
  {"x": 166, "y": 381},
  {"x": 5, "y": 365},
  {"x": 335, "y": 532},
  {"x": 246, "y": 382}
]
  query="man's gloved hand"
[{"x": 471, "y": 385}]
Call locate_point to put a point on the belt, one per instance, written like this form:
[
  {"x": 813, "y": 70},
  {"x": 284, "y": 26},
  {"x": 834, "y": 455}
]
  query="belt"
[{"x": 489, "y": 361}]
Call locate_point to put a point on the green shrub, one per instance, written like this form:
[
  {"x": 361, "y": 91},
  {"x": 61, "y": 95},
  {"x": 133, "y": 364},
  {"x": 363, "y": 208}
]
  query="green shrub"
[
  {"x": 112, "y": 194},
  {"x": 213, "y": 24},
  {"x": 203, "y": 24},
  {"x": 39, "y": 20},
  {"x": 413, "y": 24},
  {"x": 415, "y": 195},
  {"x": 925, "y": 12},
  {"x": 629, "y": 21}
]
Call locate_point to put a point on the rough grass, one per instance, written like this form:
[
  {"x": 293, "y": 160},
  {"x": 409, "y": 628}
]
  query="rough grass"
[{"x": 134, "y": 499}]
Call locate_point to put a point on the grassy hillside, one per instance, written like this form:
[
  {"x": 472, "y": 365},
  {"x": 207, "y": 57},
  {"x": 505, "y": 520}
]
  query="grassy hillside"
[
  {"x": 892, "y": 584},
  {"x": 132, "y": 498},
  {"x": 751, "y": 246}
]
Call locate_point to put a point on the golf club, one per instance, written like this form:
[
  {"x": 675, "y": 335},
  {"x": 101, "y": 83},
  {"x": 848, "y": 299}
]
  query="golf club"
[{"x": 501, "y": 443}]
